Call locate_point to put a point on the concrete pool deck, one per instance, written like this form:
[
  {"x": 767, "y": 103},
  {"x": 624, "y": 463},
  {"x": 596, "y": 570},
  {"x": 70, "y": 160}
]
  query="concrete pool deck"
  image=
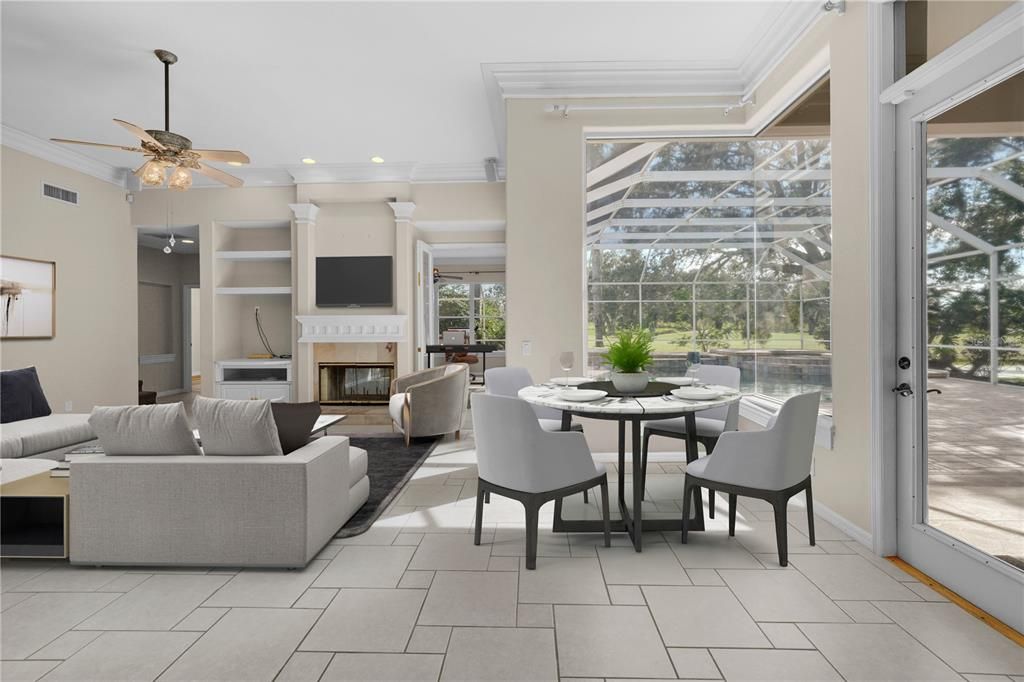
[{"x": 976, "y": 465}]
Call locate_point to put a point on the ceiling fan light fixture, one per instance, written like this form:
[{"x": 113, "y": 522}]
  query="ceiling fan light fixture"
[
  {"x": 152, "y": 174},
  {"x": 308, "y": 161},
  {"x": 181, "y": 179},
  {"x": 188, "y": 241},
  {"x": 377, "y": 159},
  {"x": 235, "y": 163}
]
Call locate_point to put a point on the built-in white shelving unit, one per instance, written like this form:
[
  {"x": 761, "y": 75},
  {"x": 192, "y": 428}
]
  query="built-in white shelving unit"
[
  {"x": 254, "y": 255},
  {"x": 255, "y": 291}
]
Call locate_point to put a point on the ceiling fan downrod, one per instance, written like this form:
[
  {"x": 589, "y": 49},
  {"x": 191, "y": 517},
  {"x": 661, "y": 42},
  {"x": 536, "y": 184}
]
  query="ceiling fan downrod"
[{"x": 167, "y": 58}]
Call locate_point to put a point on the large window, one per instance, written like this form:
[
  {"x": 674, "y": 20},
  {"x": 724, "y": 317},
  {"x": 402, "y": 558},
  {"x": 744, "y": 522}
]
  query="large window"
[
  {"x": 479, "y": 308},
  {"x": 721, "y": 247}
]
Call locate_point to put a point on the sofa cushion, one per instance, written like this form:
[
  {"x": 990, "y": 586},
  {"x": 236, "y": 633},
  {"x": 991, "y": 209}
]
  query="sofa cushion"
[
  {"x": 357, "y": 463},
  {"x": 31, "y": 436},
  {"x": 236, "y": 427},
  {"x": 21, "y": 395},
  {"x": 395, "y": 405},
  {"x": 294, "y": 421},
  {"x": 144, "y": 430}
]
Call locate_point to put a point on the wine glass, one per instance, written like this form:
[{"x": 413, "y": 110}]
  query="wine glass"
[{"x": 566, "y": 360}]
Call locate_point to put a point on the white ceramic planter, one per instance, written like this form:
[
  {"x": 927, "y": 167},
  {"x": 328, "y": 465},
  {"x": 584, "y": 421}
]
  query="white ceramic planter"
[{"x": 631, "y": 382}]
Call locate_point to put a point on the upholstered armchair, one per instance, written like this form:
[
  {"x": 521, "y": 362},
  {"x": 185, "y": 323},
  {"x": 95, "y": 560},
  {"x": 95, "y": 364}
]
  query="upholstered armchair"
[{"x": 430, "y": 402}]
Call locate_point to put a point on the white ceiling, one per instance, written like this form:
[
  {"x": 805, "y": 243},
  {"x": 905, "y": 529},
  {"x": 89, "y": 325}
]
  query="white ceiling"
[{"x": 341, "y": 82}]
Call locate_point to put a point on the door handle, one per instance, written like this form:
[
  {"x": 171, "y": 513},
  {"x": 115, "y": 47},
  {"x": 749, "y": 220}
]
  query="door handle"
[
  {"x": 934, "y": 390},
  {"x": 904, "y": 390}
]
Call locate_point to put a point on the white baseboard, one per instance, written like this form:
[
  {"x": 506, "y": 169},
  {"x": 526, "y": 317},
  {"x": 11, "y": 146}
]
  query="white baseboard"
[{"x": 853, "y": 530}]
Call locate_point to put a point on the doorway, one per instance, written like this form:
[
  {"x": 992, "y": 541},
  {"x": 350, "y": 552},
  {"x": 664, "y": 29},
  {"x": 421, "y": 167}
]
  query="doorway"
[
  {"x": 960, "y": 331},
  {"x": 192, "y": 364}
]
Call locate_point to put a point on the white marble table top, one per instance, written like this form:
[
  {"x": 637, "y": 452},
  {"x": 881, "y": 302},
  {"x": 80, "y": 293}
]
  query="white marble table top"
[{"x": 549, "y": 397}]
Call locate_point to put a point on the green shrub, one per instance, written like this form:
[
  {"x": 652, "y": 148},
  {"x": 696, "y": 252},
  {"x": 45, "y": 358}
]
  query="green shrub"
[{"x": 631, "y": 351}]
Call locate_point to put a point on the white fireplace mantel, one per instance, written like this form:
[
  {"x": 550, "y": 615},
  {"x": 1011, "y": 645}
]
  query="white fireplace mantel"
[{"x": 352, "y": 328}]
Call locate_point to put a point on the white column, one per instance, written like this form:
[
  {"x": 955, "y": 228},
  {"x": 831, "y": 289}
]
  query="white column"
[
  {"x": 405, "y": 278},
  {"x": 303, "y": 294}
]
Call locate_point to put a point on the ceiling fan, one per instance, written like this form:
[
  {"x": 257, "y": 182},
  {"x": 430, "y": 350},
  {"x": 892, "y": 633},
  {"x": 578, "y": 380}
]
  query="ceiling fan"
[
  {"x": 165, "y": 149},
  {"x": 441, "y": 277}
]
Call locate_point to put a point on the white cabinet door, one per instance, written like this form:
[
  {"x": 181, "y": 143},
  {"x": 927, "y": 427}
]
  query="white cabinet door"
[
  {"x": 236, "y": 391},
  {"x": 276, "y": 392}
]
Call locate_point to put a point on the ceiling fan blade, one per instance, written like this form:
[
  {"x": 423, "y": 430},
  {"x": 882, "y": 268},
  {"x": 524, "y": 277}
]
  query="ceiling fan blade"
[
  {"x": 138, "y": 132},
  {"x": 225, "y": 155},
  {"x": 97, "y": 144},
  {"x": 219, "y": 175}
]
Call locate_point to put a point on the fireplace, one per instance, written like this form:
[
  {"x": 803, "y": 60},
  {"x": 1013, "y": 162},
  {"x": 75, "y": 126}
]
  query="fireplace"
[{"x": 355, "y": 383}]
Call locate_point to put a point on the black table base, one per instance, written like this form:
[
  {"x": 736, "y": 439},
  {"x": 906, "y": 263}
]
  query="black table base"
[{"x": 634, "y": 524}]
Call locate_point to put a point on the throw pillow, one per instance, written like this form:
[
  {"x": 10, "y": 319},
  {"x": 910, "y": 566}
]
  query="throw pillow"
[
  {"x": 236, "y": 427},
  {"x": 144, "y": 430},
  {"x": 21, "y": 395},
  {"x": 294, "y": 422}
]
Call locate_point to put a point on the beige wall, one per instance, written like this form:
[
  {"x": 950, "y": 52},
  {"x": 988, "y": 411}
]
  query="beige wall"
[
  {"x": 545, "y": 261},
  {"x": 164, "y": 328},
  {"x": 92, "y": 360},
  {"x": 951, "y": 20}
]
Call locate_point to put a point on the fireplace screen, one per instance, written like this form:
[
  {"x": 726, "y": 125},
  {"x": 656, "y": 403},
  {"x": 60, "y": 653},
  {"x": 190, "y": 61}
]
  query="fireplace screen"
[{"x": 355, "y": 383}]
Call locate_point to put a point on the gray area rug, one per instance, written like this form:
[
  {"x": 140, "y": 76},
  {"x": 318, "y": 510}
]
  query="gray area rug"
[{"x": 390, "y": 465}]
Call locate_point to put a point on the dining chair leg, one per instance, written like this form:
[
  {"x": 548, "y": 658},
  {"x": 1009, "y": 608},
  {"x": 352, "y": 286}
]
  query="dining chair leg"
[
  {"x": 781, "y": 538},
  {"x": 732, "y": 515},
  {"x": 586, "y": 499},
  {"x": 711, "y": 503},
  {"x": 532, "y": 523},
  {"x": 487, "y": 497},
  {"x": 643, "y": 463},
  {"x": 687, "y": 496},
  {"x": 709, "y": 445},
  {"x": 605, "y": 514},
  {"x": 479, "y": 511},
  {"x": 810, "y": 514}
]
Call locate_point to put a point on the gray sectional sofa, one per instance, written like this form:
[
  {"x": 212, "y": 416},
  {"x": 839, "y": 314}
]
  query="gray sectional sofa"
[
  {"x": 203, "y": 510},
  {"x": 48, "y": 437}
]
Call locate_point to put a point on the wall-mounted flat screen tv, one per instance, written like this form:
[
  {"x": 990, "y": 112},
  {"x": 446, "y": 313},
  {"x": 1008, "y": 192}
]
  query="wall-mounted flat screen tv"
[{"x": 354, "y": 282}]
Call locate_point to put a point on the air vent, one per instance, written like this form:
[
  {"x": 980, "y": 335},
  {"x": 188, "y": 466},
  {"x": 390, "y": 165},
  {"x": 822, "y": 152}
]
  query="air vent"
[{"x": 60, "y": 194}]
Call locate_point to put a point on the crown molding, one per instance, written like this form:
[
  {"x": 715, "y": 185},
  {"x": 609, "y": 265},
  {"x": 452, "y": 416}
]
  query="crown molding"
[
  {"x": 62, "y": 156},
  {"x": 788, "y": 29}
]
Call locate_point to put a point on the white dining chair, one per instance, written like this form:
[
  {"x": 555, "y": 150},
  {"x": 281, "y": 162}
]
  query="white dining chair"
[
  {"x": 518, "y": 459},
  {"x": 711, "y": 423},
  {"x": 772, "y": 465},
  {"x": 508, "y": 381}
]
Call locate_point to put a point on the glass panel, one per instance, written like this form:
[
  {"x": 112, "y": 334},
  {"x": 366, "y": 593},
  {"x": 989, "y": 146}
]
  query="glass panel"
[
  {"x": 736, "y": 260},
  {"x": 974, "y": 453}
]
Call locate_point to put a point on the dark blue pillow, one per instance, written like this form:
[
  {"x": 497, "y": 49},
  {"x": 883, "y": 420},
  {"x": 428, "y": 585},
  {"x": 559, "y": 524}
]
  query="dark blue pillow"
[{"x": 21, "y": 395}]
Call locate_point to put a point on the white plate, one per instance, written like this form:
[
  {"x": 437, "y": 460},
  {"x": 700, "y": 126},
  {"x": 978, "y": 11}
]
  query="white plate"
[
  {"x": 573, "y": 381},
  {"x": 678, "y": 381},
  {"x": 689, "y": 393},
  {"x": 582, "y": 395},
  {"x": 725, "y": 390}
]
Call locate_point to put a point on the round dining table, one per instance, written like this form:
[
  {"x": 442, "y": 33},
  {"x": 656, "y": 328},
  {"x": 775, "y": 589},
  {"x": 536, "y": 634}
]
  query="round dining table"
[{"x": 631, "y": 410}]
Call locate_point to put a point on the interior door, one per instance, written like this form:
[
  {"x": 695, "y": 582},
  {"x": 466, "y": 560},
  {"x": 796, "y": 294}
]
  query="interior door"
[
  {"x": 960, "y": 331},
  {"x": 426, "y": 308}
]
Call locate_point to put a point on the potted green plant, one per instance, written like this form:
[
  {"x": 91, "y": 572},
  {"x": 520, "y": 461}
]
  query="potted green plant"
[{"x": 629, "y": 355}]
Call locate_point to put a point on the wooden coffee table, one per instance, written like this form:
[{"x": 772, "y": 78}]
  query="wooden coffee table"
[{"x": 34, "y": 517}]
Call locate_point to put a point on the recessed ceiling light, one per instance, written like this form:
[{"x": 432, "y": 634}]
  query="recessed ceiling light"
[
  {"x": 234, "y": 163},
  {"x": 188, "y": 241},
  {"x": 308, "y": 161},
  {"x": 377, "y": 159}
]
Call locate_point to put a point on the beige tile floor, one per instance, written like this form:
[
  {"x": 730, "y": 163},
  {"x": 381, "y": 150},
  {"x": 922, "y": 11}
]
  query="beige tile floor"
[
  {"x": 414, "y": 599},
  {"x": 976, "y": 465}
]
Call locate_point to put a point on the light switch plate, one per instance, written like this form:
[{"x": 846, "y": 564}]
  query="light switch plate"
[
  {"x": 68, "y": 407},
  {"x": 527, "y": 348}
]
